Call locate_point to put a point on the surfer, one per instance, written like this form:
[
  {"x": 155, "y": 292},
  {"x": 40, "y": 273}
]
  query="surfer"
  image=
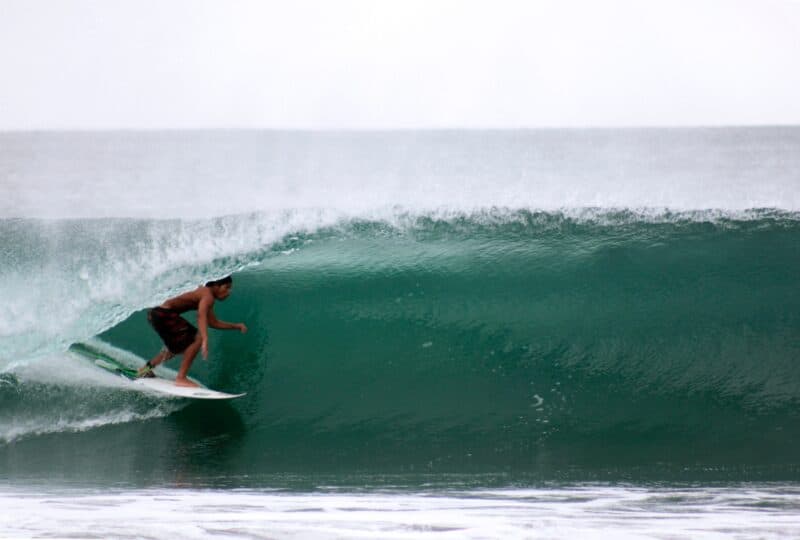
[{"x": 179, "y": 335}]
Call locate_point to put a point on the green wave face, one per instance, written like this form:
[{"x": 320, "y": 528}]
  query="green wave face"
[{"x": 534, "y": 345}]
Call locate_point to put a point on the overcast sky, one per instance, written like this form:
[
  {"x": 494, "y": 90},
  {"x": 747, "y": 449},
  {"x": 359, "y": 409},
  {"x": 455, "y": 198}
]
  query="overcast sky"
[{"x": 397, "y": 64}]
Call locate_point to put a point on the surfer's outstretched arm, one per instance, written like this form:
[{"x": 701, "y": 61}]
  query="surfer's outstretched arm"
[{"x": 213, "y": 322}]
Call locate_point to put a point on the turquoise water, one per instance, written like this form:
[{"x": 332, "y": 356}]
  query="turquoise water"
[
  {"x": 641, "y": 337},
  {"x": 520, "y": 343}
]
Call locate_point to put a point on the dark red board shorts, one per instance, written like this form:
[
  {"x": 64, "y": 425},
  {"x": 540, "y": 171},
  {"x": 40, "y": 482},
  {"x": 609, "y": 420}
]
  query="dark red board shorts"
[{"x": 176, "y": 332}]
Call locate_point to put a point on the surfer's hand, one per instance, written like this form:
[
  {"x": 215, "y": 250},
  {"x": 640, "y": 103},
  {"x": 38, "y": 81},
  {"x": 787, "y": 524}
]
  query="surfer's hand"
[{"x": 242, "y": 328}]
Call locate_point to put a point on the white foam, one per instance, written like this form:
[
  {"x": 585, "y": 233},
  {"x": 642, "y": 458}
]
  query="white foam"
[
  {"x": 53, "y": 381},
  {"x": 17, "y": 428},
  {"x": 581, "y": 512},
  {"x": 85, "y": 279}
]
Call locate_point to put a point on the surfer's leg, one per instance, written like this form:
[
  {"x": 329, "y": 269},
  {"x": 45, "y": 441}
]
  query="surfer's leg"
[
  {"x": 162, "y": 356},
  {"x": 186, "y": 363}
]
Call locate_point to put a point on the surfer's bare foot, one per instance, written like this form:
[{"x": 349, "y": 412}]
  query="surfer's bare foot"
[{"x": 183, "y": 381}]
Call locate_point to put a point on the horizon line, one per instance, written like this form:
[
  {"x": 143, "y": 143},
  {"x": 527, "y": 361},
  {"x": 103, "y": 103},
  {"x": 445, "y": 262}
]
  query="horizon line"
[{"x": 154, "y": 129}]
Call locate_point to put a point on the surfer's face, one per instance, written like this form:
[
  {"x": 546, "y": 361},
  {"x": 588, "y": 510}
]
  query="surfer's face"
[{"x": 221, "y": 292}]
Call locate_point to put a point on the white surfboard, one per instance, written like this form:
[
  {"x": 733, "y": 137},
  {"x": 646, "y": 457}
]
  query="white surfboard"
[
  {"x": 166, "y": 386},
  {"x": 157, "y": 385}
]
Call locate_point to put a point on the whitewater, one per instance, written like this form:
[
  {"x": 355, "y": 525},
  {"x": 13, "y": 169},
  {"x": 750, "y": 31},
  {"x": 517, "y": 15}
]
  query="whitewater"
[{"x": 544, "y": 331}]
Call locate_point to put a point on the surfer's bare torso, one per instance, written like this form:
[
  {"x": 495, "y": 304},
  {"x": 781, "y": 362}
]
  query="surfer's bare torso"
[{"x": 179, "y": 336}]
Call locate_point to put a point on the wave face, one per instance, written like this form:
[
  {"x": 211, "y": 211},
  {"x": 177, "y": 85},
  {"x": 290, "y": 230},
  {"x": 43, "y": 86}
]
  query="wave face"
[{"x": 405, "y": 338}]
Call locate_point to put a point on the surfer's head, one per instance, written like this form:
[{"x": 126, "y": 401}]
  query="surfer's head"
[{"x": 221, "y": 288}]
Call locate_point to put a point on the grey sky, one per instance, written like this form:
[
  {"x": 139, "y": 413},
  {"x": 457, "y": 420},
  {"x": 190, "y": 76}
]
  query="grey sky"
[{"x": 411, "y": 63}]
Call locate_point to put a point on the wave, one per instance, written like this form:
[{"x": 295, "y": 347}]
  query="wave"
[
  {"x": 502, "y": 336},
  {"x": 67, "y": 280}
]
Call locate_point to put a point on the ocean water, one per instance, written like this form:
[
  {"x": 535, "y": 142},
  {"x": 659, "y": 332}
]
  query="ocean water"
[{"x": 478, "y": 334}]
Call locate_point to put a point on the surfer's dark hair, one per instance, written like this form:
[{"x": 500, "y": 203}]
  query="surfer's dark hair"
[{"x": 223, "y": 281}]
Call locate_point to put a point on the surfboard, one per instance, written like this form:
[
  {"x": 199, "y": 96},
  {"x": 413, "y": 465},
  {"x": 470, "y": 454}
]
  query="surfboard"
[{"x": 157, "y": 384}]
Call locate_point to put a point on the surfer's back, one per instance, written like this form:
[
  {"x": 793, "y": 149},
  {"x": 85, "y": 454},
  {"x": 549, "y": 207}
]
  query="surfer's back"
[{"x": 187, "y": 301}]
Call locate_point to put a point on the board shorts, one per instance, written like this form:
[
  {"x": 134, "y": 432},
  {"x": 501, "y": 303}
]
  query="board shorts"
[{"x": 176, "y": 332}]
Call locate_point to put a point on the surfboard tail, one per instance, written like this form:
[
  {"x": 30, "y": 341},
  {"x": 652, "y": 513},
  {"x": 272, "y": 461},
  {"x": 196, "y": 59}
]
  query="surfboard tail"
[{"x": 103, "y": 360}]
